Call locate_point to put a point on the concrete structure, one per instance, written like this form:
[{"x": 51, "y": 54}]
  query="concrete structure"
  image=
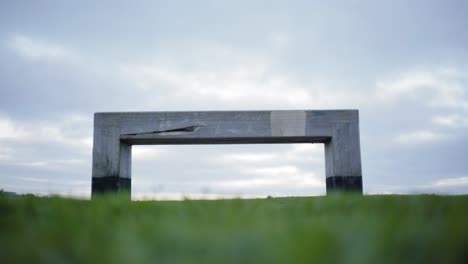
[{"x": 115, "y": 133}]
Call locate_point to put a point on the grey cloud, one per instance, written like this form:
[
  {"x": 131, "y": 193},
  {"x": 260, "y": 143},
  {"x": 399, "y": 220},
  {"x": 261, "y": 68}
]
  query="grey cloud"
[{"x": 238, "y": 55}]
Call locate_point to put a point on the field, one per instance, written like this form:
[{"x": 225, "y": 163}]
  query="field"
[{"x": 334, "y": 229}]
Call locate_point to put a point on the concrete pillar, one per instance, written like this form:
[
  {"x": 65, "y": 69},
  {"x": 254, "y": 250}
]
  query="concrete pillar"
[
  {"x": 343, "y": 159},
  {"x": 112, "y": 163}
]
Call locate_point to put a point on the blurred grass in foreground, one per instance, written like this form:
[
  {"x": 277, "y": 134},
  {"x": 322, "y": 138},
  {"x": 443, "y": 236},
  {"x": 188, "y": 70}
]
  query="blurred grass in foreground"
[{"x": 334, "y": 229}]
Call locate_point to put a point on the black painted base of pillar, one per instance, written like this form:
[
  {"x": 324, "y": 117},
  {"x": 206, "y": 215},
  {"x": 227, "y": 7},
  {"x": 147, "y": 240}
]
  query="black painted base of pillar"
[
  {"x": 344, "y": 184},
  {"x": 111, "y": 184}
]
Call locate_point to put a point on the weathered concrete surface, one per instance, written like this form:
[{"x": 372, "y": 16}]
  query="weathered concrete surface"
[{"x": 115, "y": 133}]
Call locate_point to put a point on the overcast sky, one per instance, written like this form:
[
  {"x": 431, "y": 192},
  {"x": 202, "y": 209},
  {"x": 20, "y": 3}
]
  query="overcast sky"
[{"x": 403, "y": 64}]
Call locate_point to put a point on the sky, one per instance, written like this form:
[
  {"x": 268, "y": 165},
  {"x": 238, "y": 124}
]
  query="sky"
[{"x": 403, "y": 64}]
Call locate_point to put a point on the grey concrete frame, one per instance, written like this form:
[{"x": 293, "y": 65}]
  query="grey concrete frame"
[{"x": 115, "y": 133}]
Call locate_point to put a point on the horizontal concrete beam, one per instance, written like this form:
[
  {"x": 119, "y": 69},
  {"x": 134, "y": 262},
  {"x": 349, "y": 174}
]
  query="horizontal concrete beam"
[{"x": 114, "y": 133}]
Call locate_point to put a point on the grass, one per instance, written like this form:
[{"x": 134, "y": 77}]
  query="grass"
[{"x": 334, "y": 229}]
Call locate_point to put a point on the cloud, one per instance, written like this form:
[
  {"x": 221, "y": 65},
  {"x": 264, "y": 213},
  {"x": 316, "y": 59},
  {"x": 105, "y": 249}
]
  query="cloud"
[
  {"x": 453, "y": 186},
  {"x": 247, "y": 170},
  {"x": 288, "y": 181},
  {"x": 141, "y": 153},
  {"x": 293, "y": 170},
  {"x": 457, "y": 185},
  {"x": 247, "y": 84},
  {"x": 429, "y": 103},
  {"x": 231, "y": 78},
  {"x": 276, "y": 60},
  {"x": 6, "y": 153},
  {"x": 419, "y": 137},
  {"x": 248, "y": 157},
  {"x": 296, "y": 152},
  {"x": 43, "y": 80},
  {"x": 442, "y": 87},
  {"x": 9, "y": 130},
  {"x": 47, "y": 157},
  {"x": 450, "y": 182},
  {"x": 451, "y": 120},
  {"x": 39, "y": 50},
  {"x": 280, "y": 40},
  {"x": 39, "y": 144}
]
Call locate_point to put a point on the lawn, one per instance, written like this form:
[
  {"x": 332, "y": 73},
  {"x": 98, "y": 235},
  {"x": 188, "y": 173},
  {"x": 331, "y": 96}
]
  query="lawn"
[{"x": 333, "y": 229}]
